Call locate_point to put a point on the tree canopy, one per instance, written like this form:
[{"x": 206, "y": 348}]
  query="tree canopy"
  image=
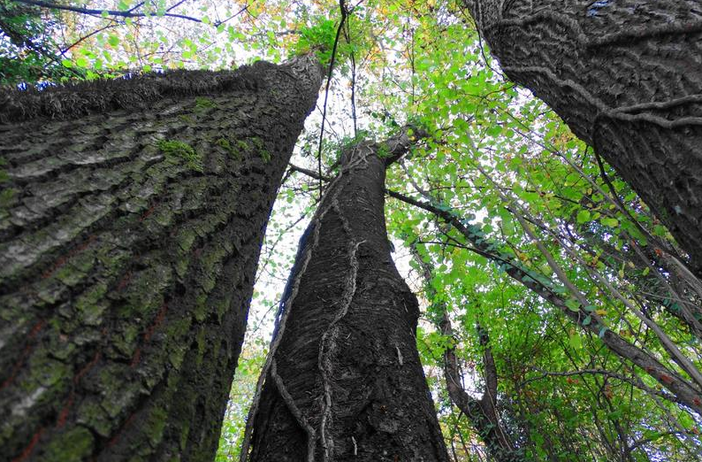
[{"x": 508, "y": 226}]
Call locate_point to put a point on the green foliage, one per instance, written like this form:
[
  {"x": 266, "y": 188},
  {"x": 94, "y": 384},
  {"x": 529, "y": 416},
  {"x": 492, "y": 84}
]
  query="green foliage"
[
  {"x": 28, "y": 49},
  {"x": 383, "y": 152},
  {"x": 319, "y": 39},
  {"x": 243, "y": 389}
]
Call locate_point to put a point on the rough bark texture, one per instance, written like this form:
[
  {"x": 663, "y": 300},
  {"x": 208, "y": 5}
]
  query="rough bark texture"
[
  {"x": 483, "y": 412},
  {"x": 626, "y": 75},
  {"x": 344, "y": 381},
  {"x": 131, "y": 219}
]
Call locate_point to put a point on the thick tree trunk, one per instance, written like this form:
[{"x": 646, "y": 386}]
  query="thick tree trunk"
[
  {"x": 344, "y": 381},
  {"x": 626, "y": 75},
  {"x": 130, "y": 230}
]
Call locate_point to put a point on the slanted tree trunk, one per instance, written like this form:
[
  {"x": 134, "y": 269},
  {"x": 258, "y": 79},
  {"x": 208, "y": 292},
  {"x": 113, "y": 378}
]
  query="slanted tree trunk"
[
  {"x": 343, "y": 380},
  {"x": 131, "y": 219},
  {"x": 626, "y": 75}
]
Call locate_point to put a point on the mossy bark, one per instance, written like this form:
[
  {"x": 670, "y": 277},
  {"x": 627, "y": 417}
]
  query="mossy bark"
[
  {"x": 343, "y": 381},
  {"x": 130, "y": 229},
  {"x": 626, "y": 76}
]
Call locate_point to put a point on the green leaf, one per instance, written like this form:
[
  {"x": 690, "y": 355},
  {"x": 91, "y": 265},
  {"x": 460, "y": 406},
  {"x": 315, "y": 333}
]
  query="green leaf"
[
  {"x": 573, "y": 305},
  {"x": 67, "y": 63},
  {"x": 583, "y": 216},
  {"x": 113, "y": 40},
  {"x": 575, "y": 341},
  {"x": 611, "y": 222},
  {"x": 82, "y": 62}
]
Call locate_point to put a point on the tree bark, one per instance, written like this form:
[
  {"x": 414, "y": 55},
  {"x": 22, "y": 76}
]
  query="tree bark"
[
  {"x": 131, "y": 219},
  {"x": 343, "y": 380},
  {"x": 626, "y": 76},
  {"x": 483, "y": 412}
]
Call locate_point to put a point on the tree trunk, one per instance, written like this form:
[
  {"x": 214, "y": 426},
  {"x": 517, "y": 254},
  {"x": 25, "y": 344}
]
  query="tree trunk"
[
  {"x": 482, "y": 413},
  {"x": 626, "y": 76},
  {"x": 131, "y": 219},
  {"x": 343, "y": 380}
]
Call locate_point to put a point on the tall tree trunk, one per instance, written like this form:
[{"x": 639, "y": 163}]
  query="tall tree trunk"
[
  {"x": 131, "y": 219},
  {"x": 343, "y": 380},
  {"x": 626, "y": 75}
]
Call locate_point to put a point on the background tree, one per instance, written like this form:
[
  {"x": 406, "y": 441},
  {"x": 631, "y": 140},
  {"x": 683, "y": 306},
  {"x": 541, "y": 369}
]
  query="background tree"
[
  {"x": 132, "y": 217},
  {"x": 483, "y": 413}
]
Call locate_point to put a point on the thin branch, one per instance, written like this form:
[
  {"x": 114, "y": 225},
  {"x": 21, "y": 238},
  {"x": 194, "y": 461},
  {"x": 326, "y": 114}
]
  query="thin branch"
[
  {"x": 344, "y": 13},
  {"x": 122, "y": 14},
  {"x": 635, "y": 381},
  {"x": 85, "y": 37}
]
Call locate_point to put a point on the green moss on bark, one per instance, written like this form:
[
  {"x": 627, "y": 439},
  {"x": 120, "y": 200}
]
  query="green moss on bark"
[{"x": 181, "y": 150}]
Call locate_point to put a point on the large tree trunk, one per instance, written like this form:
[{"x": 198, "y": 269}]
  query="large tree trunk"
[
  {"x": 626, "y": 75},
  {"x": 344, "y": 381},
  {"x": 130, "y": 230}
]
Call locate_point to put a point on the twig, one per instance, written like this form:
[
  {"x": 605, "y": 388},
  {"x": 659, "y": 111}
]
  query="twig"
[
  {"x": 344, "y": 13},
  {"x": 122, "y": 14}
]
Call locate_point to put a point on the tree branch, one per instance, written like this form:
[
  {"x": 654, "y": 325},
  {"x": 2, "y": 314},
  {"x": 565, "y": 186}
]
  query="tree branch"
[
  {"x": 122, "y": 14},
  {"x": 344, "y": 14}
]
